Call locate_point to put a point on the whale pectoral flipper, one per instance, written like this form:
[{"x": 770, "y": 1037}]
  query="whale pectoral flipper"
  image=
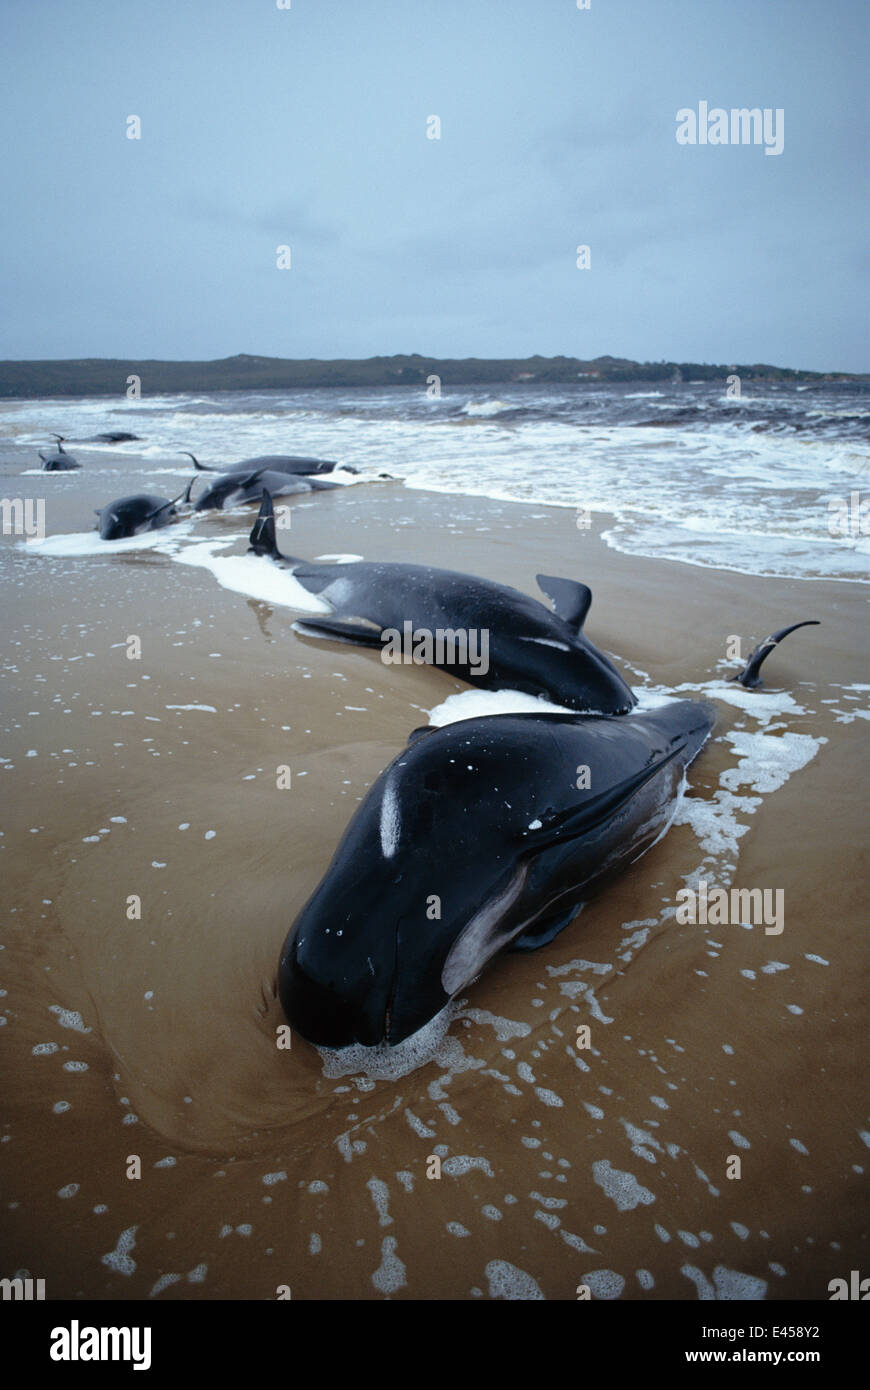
[
  {"x": 571, "y": 599},
  {"x": 546, "y": 929},
  {"x": 149, "y": 516},
  {"x": 245, "y": 479},
  {"x": 594, "y": 811},
  {"x": 343, "y": 632},
  {"x": 182, "y": 497}
]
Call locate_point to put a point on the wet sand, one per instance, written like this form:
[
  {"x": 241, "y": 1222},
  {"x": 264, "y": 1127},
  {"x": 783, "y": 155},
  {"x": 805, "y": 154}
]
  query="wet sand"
[{"x": 153, "y": 1036}]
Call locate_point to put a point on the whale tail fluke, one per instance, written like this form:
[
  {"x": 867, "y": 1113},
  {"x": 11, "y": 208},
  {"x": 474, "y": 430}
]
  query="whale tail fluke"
[
  {"x": 749, "y": 676},
  {"x": 200, "y": 467}
]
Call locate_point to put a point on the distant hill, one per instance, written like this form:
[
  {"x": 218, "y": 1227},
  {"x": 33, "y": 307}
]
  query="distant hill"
[{"x": 99, "y": 376}]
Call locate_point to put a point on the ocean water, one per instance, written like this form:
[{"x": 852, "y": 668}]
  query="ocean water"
[{"x": 775, "y": 482}]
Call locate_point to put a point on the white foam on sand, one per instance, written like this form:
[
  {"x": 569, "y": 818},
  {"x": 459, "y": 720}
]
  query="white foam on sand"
[
  {"x": 343, "y": 478},
  {"x": 385, "y": 1063},
  {"x": 505, "y": 1028},
  {"x": 85, "y": 544},
  {"x": 621, "y": 1187},
  {"x": 465, "y": 1163},
  {"x": 604, "y": 1283},
  {"x": 768, "y": 760},
  {"x": 390, "y": 1276},
  {"x": 252, "y": 576},
  {"x": 763, "y": 705},
  {"x": 120, "y": 1259},
  {"x": 380, "y": 1195},
  {"x": 508, "y": 1282},
  {"x": 69, "y": 1018},
  {"x": 473, "y": 704},
  {"x": 765, "y": 763},
  {"x": 732, "y": 1284}
]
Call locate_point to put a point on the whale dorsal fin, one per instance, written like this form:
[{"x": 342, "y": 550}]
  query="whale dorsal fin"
[
  {"x": 416, "y": 734},
  {"x": 571, "y": 599},
  {"x": 262, "y": 540},
  {"x": 595, "y": 810},
  {"x": 149, "y": 516}
]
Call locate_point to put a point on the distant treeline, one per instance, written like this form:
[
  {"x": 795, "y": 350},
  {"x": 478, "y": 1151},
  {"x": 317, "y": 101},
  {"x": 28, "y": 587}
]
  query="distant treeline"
[{"x": 99, "y": 376}]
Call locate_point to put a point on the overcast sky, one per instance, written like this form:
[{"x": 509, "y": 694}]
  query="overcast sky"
[{"x": 307, "y": 127}]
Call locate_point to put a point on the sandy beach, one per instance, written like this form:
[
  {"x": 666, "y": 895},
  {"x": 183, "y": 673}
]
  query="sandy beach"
[{"x": 151, "y": 1035}]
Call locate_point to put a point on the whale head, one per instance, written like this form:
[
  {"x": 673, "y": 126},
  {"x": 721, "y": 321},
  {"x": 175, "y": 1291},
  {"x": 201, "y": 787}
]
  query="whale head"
[
  {"x": 558, "y": 660},
  {"x": 128, "y": 516},
  {"x": 569, "y": 670}
]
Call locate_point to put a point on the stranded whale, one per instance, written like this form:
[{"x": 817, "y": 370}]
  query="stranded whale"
[
  {"x": 230, "y": 489},
  {"x": 60, "y": 461},
  {"x": 278, "y": 463},
  {"x": 130, "y": 516},
  {"x": 529, "y": 647},
  {"x": 482, "y": 835}
]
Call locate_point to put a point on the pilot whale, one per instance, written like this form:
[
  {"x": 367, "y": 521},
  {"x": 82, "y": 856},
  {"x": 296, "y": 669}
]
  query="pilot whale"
[
  {"x": 483, "y": 835},
  {"x": 278, "y": 463},
  {"x": 130, "y": 516},
  {"x": 231, "y": 489},
  {"x": 60, "y": 461},
  {"x": 530, "y": 647}
]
